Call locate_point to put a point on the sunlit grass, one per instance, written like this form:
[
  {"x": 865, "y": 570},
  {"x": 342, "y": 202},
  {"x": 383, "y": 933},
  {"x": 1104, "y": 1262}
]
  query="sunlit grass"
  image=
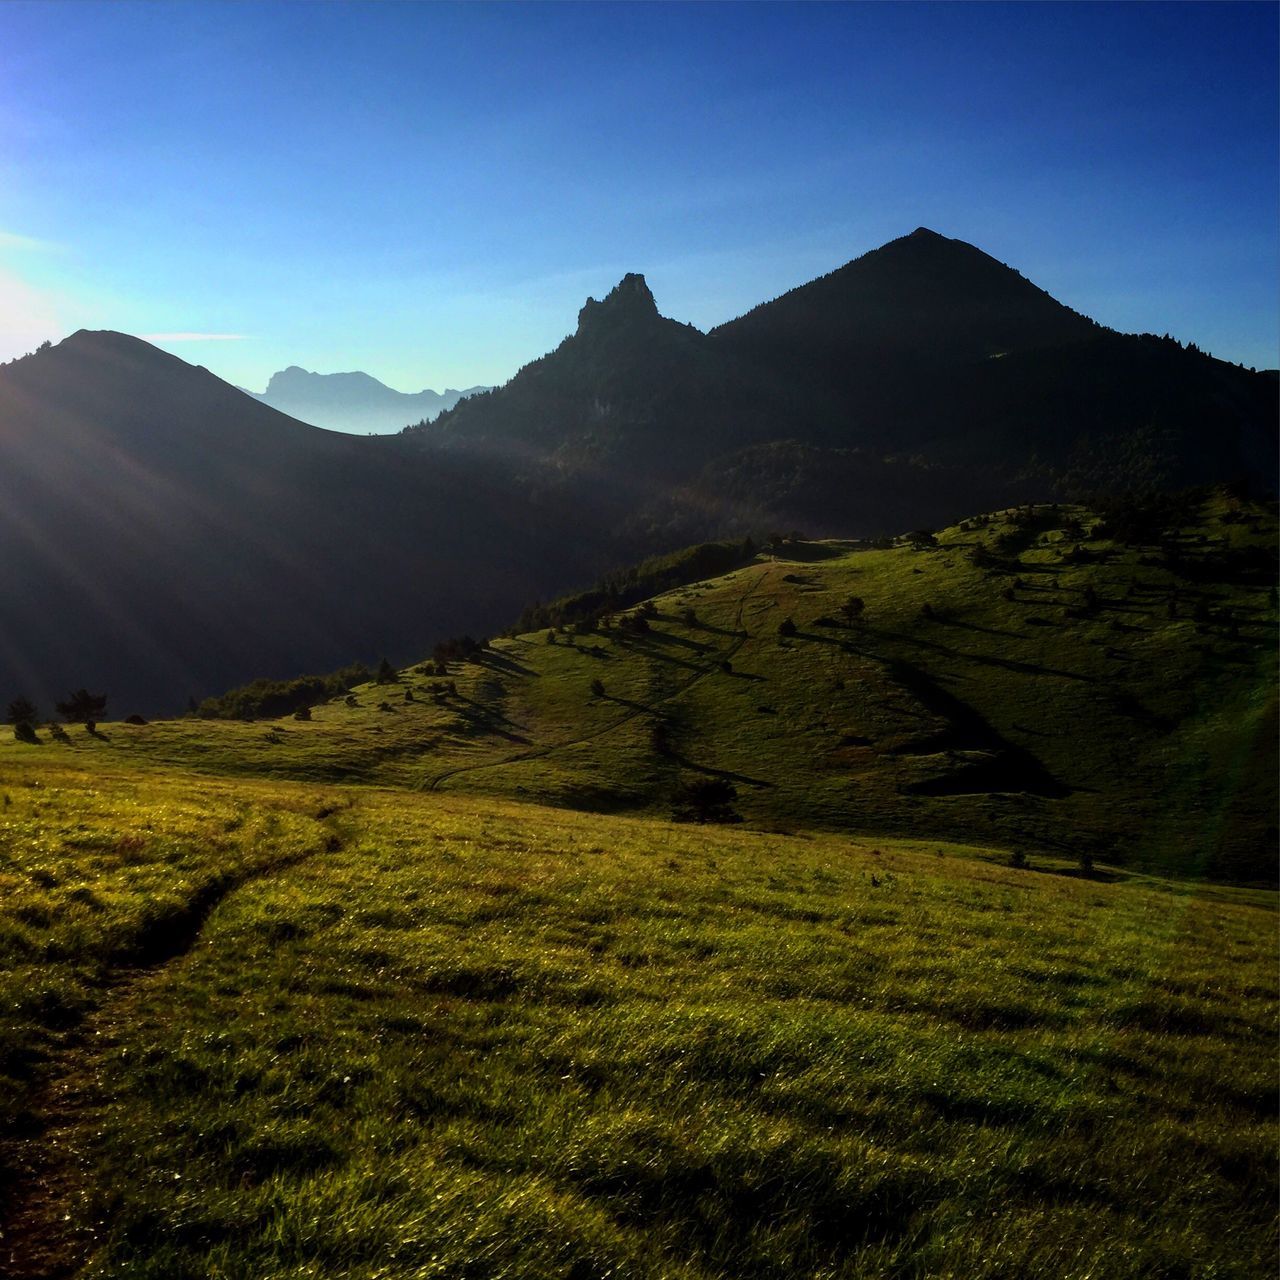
[{"x": 450, "y": 1038}]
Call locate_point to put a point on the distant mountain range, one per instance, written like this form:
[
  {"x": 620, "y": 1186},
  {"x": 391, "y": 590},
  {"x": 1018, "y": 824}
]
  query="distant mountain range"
[
  {"x": 163, "y": 535},
  {"x": 353, "y": 402}
]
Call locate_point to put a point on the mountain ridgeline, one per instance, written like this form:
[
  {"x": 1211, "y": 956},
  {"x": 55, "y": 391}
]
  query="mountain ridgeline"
[
  {"x": 353, "y": 402},
  {"x": 910, "y": 385},
  {"x": 165, "y": 536}
]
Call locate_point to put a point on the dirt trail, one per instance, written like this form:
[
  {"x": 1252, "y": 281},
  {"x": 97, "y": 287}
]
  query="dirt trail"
[
  {"x": 535, "y": 753},
  {"x": 45, "y": 1227}
]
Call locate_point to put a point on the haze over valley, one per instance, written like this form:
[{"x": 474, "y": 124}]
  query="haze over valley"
[{"x": 353, "y": 402}]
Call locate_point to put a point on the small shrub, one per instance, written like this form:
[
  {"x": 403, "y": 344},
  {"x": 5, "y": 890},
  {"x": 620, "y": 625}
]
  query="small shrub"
[
  {"x": 597, "y": 688},
  {"x": 853, "y": 608},
  {"x": 707, "y": 800},
  {"x": 1019, "y": 860},
  {"x": 23, "y": 731},
  {"x": 786, "y": 628},
  {"x": 22, "y": 711},
  {"x": 134, "y": 719},
  {"x": 83, "y": 707},
  {"x": 302, "y": 713}
]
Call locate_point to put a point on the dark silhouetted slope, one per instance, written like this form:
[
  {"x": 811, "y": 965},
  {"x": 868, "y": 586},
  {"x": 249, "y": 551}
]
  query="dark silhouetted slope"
[
  {"x": 921, "y": 301},
  {"x": 163, "y": 535}
]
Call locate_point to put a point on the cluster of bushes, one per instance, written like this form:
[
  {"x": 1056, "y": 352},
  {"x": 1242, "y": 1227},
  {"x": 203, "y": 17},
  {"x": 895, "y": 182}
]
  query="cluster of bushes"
[
  {"x": 1141, "y": 519},
  {"x": 269, "y": 699},
  {"x": 80, "y": 707},
  {"x": 456, "y": 649},
  {"x": 625, "y": 587}
]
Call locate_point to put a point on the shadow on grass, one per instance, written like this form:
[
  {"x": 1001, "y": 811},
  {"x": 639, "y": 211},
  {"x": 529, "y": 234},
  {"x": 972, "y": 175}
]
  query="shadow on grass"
[
  {"x": 985, "y": 659},
  {"x": 487, "y": 719},
  {"x": 501, "y": 662},
  {"x": 685, "y": 763},
  {"x": 628, "y": 702},
  {"x": 973, "y": 626}
]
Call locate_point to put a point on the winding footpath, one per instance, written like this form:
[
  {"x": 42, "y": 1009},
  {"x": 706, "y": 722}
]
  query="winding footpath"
[{"x": 46, "y": 1226}]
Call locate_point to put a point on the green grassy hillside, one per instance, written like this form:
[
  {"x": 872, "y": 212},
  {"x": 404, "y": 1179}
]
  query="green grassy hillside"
[
  {"x": 291, "y": 1029},
  {"x": 369, "y": 994},
  {"x": 1042, "y": 679}
]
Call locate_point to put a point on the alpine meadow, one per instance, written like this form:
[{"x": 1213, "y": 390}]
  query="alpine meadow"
[{"x": 789, "y": 792}]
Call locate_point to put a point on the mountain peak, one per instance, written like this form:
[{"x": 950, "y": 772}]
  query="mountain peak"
[
  {"x": 628, "y": 301},
  {"x": 104, "y": 340}
]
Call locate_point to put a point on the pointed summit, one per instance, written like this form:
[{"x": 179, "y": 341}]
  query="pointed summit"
[
  {"x": 922, "y": 299},
  {"x": 628, "y": 302}
]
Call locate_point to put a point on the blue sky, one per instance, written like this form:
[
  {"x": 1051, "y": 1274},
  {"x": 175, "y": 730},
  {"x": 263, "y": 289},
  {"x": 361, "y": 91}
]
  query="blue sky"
[{"x": 429, "y": 192}]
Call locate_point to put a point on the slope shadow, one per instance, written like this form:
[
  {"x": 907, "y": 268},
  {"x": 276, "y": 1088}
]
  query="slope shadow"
[
  {"x": 1010, "y": 769},
  {"x": 501, "y": 662},
  {"x": 985, "y": 659},
  {"x": 685, "y": 763},
  {"x": 487, "y": 719},
  {"x": 809, "y": 552}
]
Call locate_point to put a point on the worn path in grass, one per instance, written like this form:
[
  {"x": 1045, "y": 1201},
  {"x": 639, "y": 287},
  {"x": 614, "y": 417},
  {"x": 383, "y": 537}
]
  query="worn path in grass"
[
  {"x": 743, "y": 635},
  {"x": 44, "y": 1232}
]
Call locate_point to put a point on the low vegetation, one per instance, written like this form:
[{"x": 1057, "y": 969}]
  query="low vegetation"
[
  {"x": 627, "y": 587},
  {"x": 267, "y": 699}
]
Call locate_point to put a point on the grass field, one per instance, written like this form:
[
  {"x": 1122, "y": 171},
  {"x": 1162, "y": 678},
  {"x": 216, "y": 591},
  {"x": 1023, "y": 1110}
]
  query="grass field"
[
  {"x": 374, "y": 995},
  {"x": 287, "y": 1030}
]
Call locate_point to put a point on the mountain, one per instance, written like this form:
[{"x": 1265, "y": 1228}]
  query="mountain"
[
  {"x": 163, "y": 535},
  {"x": 913, "y": 383},
  {"x": 353, "y": 402}
]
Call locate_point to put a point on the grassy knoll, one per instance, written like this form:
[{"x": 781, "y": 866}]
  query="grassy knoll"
[
  {"x": 1035, "y": 678},
  {"x": 406, "y": 1034}
]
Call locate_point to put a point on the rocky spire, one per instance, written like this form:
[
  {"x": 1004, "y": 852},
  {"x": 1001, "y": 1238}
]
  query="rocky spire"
[{"x": 628, "y": 302}]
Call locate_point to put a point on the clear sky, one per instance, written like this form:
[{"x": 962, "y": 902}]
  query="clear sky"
[{"x": 429, "y": 192}]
